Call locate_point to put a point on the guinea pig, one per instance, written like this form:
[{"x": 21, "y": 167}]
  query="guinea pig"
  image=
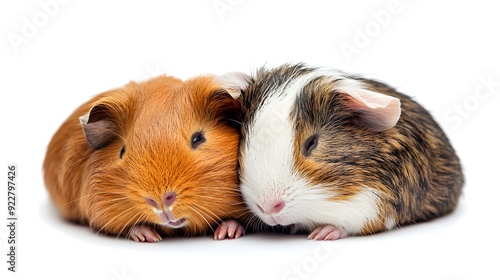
[
  {"x": 150, "y": 159},
  {"x": 335, "y": 154}
]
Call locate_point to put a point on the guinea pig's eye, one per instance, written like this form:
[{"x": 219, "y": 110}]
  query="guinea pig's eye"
[
  {"x": 197, "y": 139},
  {"x": 310, "y": 144},
  {"x": 122, "y": 152}
]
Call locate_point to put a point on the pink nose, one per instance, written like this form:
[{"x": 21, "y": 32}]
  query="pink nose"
[
  {"x": 169, "y": 198},
  {"x": 151, "y": 202},
  {"x": 275, "y": 207}
]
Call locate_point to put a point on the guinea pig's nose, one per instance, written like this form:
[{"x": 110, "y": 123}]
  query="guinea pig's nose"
[
  {"x": 275, "y": 207},
  {"x": 151, "y": 202},
  {"x": 169, "y": 198}
]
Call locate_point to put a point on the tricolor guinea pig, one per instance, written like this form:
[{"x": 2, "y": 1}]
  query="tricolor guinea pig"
[
  {"x": 335, "y": 154},
  {"x": 150, "y": 159}
]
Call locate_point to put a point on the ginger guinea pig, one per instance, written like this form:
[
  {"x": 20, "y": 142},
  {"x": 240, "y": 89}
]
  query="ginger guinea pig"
[
  {"x": 335, "y": 154},
  {"x": 150, "y": 159}
]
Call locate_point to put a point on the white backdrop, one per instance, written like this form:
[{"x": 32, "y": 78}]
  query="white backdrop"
[{"x": 56, "y": 54}]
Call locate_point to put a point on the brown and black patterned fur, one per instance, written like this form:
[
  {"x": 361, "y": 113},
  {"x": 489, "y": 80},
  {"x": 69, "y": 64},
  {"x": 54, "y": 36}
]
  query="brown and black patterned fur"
[{"x": 412, "y": 167}]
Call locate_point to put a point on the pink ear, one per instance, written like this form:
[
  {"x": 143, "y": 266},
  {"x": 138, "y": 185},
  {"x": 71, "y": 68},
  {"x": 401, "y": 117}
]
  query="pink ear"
[
  {"x": 234, "y": 82},
  {"x": 377, "y": 111}
]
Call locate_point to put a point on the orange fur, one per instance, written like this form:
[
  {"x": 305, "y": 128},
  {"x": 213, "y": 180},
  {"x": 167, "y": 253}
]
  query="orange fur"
[{"x": 154, "y": 120}]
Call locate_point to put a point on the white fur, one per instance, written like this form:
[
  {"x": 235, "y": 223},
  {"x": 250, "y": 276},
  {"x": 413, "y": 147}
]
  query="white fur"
[
  {"x": 351, "y": 215},
  {"x": 268, "y": 172},
  {"x": 390, "y": 223},
  {"x": 267, "y": 164}
]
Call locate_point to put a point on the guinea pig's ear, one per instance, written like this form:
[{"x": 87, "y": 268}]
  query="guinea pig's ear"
[
  {"x": 234, "y": 82},
  {"x": 98, "y": 127},
  {"x": 375, "y": 111},
  {"x": 224, "y": 107}
]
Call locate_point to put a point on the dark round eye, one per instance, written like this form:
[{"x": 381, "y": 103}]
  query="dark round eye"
[
  {"x": 197, "y": 139},
  {"x": 122, "y": 152},
  {"x": 310, "y": 144}
]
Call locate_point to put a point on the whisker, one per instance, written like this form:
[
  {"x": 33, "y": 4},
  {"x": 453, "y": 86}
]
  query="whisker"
[
  {"x": 218, "y": 187},
  {"x": 141, "y": 219},
  {"x": 99, "y": 203},
  {"x": 114, "y": 218},
  {"x": 214, "y": 198},
  {"x": 251, "y": 222},
  {"x": 215, "y": 215},
  {"x": 75, "y": 200},
  {"x": 236, "y": 121},
  {"x": 224, "y": 195},
  {"x": 196, "y": 211},
  {"x": 244, "y": 213},
  {"x": 120, "y": 232},
  {"x": 238, "y": 203}
]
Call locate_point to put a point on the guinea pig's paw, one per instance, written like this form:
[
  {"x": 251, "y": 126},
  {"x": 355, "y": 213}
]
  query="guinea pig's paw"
[
  {"x": 144, "y": 234},
  {"x": 327, "y": 232},
  {"x": 230, "y": 228}
]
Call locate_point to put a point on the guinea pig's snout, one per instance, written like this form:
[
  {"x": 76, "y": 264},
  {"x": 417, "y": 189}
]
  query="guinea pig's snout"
[
  {"x": 272, "y": 208},
  {"x": 164, "y": 211}
]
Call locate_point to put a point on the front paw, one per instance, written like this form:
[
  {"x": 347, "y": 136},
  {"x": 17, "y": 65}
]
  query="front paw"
[
  {"x": 327, "y": 232},
  {"x": 230, "y": 228},
  {"x": 144, "y": 234}
]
